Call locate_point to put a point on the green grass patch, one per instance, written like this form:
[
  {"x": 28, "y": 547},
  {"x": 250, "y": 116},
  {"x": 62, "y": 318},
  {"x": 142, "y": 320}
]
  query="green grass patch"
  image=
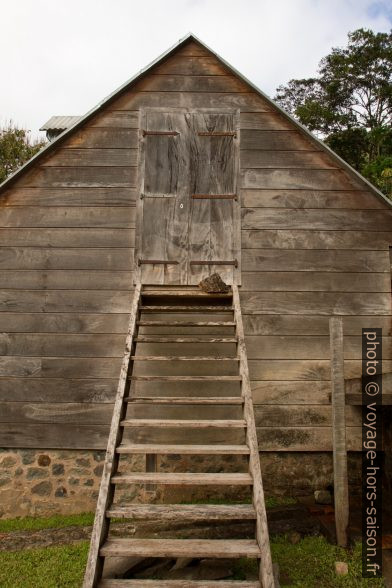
[
  {"x": 52, "y": 567},
  {"x": 272, "y": 501},
  {"x": 311, "y": 563},
  {"x": 38, "y": 523}
]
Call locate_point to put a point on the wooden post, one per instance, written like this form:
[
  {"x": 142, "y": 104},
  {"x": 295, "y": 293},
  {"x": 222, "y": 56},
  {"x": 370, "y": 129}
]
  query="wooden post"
[
  {"x": 101, "y": 524},
  {"x": 266, "y": 574},
  {"x": 339, "y": 430}
]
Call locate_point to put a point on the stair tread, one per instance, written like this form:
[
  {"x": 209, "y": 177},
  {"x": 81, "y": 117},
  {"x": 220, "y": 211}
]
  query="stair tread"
[
  {"x": 186, "y": 293},
  {"x": 160, "y": 448},
  {"x": 185, "y": 511},
  {"x": 187, "y": 378},
  {"x": 144, "y": 323},
  {"x": 188, "y": 479},
  {"x": 149, "y": 308},
  {"x": 185, "y": 423},
  {"x": 186, "y": 400},
  {"x": 203, "y": 339},
  {"x": 178, "y": 584},
  {"x": 180, "y": 358},
  {"x": 219, "y": 548}
]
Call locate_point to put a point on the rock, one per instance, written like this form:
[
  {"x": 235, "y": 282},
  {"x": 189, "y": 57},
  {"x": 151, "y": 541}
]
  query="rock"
[
  {"x": 341, "y": 568},
  {"x": 294, "y": 538},
  {"x": 7, "y": 461},
  {"x": 83, "y": 462},
  {"x": 89, "y": 482},
  {"x": 98, "y": 470},
  {"x": 36, "y": 473},
  {"x": 58, "y": 469},
  {"x": 323, "y": 497},
  {"x": 28, "y": 456},
  {"x": 42, "y": 489},
  {"x": 61, "y": 492},
  {"x": 44, "y": 460},
  {"x": 214, "y": 284}
]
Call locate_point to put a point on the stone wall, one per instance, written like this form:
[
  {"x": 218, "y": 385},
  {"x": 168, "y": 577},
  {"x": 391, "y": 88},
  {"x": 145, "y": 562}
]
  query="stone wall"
[{"x": 47, "y": 482}]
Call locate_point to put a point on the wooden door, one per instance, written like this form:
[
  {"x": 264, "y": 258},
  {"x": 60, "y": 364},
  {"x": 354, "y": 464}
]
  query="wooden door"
[{"x": 188, "y": 214}]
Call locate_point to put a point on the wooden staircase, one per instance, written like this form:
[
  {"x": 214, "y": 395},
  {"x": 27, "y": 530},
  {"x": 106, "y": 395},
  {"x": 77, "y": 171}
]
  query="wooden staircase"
[{"x": 199, "y": 335}]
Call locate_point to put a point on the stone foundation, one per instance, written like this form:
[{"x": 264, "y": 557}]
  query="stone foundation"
[{"x": 43, "y": 483}]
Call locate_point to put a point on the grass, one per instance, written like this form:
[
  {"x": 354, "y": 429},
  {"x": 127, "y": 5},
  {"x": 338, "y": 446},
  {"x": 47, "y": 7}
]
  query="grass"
[
  {"x": 55, "y": 522},
  {"x": 52, "y": 567}
]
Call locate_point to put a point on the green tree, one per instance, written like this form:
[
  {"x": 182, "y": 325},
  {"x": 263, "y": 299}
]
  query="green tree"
[
  {"x": 349, "y": 103},
  {"x": 16, "y": 147}
]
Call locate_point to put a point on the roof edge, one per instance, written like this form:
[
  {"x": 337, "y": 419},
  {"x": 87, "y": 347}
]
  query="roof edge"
[{"x": 190, "y": 36}]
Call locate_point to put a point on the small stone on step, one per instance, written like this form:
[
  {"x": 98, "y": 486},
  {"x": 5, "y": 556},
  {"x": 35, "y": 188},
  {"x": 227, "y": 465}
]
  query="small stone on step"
[
  {"x": 214, "y": 285},
  {"x": 323, "y": 497},
  {"x": 341, "y": 568}
]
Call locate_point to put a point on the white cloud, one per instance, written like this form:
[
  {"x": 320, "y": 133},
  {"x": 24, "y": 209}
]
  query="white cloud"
[{"x": 64, "y": 57}]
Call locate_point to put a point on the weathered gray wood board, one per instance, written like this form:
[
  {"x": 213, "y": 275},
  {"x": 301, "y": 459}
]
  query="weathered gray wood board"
[{"x": 314, "y": 242}]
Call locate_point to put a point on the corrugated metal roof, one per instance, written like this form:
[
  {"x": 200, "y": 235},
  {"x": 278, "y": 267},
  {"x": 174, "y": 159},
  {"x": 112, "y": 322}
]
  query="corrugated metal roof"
[
  {"x": 144, "y": 71},
  {"x": 60, "y": 123}
]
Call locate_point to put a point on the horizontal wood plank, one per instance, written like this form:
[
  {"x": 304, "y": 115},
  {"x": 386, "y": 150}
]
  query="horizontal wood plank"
[
  {"x": 60, "y": 237},
  {"x": 264, "y": 121},
  {"x": 61, "y": 345},
  {"x": 90, "y": 301},
  {"x": 58, "y": 390},
  {"x": 263, "y": 324},
  {"x": 244, "y": 101},
  {"x": 343, "y": 220},
  {"x": 259, "y": 260},
  {"x": 313, "y": 281},
  {"x": 291, "y": 140},
  {"x": 315, "y": 160},
  {"x": 59, "y": 367},
  {"x": 353, "y": 199},
  {"x": 71, "y": 196},
  {"x": 49, "y": 322},
  {"x": 116, "y": 217},
  {"x": 320, "y": 303},
  {"x": 88, "y": 177},
  {"x": 66, "y": 279},
  {"x": 92, "y": 158},
  {"x": 25, "y": 258},
  {"x": 191, "y": 83},
  {"x": 296, "y": 179},
  {"x": 115, "y": 118},
  {"x": 315, "y": 239},
  {"x": 305, "y": 438},
  {"x": 103, "y": 138}
]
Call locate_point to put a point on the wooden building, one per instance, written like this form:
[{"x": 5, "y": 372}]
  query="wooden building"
[{"x": 189, "y": 164}]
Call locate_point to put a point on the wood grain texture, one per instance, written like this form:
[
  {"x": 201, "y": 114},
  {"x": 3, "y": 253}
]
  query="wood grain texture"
[
  {"x": 74, "y": 237},
  {"x": 244, "y": 101},
  {"x": 352, "y": 199},
  {"x": 102, "y": 138},
  {"x": 263, "y": 324},
  {"x": 72, "y": 196},
  {"x": 190, "y": 65},
  {"x": 309, "y": 238},
  {"x": 315, "y": 260},
  {"x": 106, "y": 217},
  {"x": 61, "y": 345},
  {"x": 343, "y": 220},
  {"x": 21, "y": 258},
  {"x": 117, "y": 119},
  {"x": 23, "y": 390},
  {"x": 89, "y": 301},
  {"x": 304, "y": 438},
  {"x": 320, "y": 303},
  {"x": 191, "y": 83},
  {"x": 65, "y": 279},
  {"x": 68, "y": 322},
  {"x": 313, "y": 281},
  {"x": 81, "y": 177},
  {"x": 291, "y": 140},
  {"x": 315, "y": 160},
  {"x": 92, "y": 158}
]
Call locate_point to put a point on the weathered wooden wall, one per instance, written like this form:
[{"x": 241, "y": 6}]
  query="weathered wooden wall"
[{"x": 314, "y": 243}]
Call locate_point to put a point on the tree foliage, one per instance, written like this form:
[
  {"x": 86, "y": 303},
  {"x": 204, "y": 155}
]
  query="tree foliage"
[
  {"x": 349, "y": 103},
  {"x": 16, "y": 147}
]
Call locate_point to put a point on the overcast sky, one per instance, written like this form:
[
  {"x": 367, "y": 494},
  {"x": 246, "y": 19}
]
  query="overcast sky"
[{"x": 63, "y": 57}]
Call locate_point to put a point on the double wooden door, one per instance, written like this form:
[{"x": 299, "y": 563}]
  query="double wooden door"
[{"x": 188, "y": 220}]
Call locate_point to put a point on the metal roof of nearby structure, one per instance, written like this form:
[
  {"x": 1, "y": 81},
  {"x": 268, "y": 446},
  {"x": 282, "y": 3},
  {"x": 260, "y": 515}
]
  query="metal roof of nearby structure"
[
  {"x": 190, "y": 36},
  {"x": 60, "y": 123}
]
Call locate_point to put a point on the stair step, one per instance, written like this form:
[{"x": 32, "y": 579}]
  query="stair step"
[
  {"x": 177, "y": 584},
  {"x": 186, "y": 323},
  {"x": 185, "y": 423},
  {"x": 211, "y": 548},
  {"x": 186, "y": 400},
  {"x": 165, "y": 292},
  {"x": 186, "y": 308},
  {"x": 184, "y": 479},
  {"x": 186, "y": 378},
  {"x": 189, "y": 512},
  {"x": 161, "y": 449},
  {"x": 203, "y": 339},
  {"x": 180, "y": 358}
]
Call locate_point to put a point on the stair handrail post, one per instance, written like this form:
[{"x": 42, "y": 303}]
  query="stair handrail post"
[
  {"x": 266, "y": 573},
  {"x": 101, "y": 524}
]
